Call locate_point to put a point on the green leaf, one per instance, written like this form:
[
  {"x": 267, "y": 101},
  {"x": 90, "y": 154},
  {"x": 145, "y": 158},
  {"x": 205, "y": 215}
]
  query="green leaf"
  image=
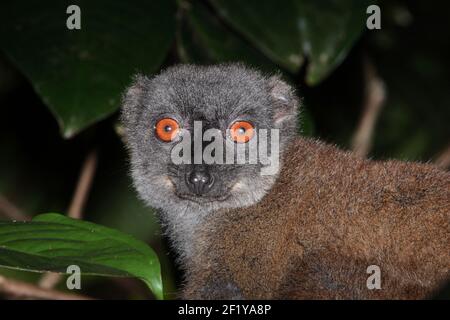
[
  {"x": 328, "y": 30},
  {"x": 268, "y": 25},
  {"x": 52, "y": 242},
  {"x": 80, "y": 74},
  {"x": 204, "y": 39},
  {"x": 291, "y": 31}
]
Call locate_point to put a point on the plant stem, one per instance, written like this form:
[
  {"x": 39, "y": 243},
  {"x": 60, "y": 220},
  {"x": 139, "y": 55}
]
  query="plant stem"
[
  {"x": 87, "y": 172},
  {"x": 375, "y": 95},
  {"x": 21, "y": 289}
]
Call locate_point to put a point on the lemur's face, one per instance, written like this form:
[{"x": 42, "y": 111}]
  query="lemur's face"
[{"x": 177, "y": 119}]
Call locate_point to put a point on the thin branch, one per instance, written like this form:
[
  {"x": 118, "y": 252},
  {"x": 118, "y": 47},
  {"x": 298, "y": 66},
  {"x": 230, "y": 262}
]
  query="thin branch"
[
  {"x": 83, "y": 186},
  {"x": 50, "y": 280},
  {"x": 443, "y": 160},
  {"x": 11, "y": 211},
  {"x": 375, "y": 95},
  {"x": 21, "y": 289}
]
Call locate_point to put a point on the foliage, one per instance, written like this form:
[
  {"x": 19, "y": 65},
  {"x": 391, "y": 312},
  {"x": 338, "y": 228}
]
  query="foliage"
[
  {"x": 48, "y": 72},
  {"x": 53, "y": 242},
  {"x": 81, "y": 74}
]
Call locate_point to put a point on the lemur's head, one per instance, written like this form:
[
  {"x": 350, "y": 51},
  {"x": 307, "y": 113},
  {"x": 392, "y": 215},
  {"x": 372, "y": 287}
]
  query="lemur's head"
[{"x": 226, "y": 105}]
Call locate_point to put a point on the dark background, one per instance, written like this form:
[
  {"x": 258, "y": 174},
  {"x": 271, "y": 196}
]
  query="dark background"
[{"x": 60, "y": 92}]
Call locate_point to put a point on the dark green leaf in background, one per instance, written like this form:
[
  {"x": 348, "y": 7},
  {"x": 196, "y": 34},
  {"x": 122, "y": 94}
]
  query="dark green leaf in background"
[
  {"x": 328, "y": 29},
  {"x": 204, "y": 39},
  {"x": 52, "y": 242},
  {"x": 80, "y": 74},
  {"x": 269, "y": 25},
  {"x": 289, "y": 32}
]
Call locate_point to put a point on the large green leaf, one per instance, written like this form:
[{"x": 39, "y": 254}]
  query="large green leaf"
[
  {"x": 328, "y": 29},
  {"x": 294, "y": 30},
  {"x": 80, "y": 74},
  {"x": 52, "y": 242},
  {"x": 204, "y": 39}
]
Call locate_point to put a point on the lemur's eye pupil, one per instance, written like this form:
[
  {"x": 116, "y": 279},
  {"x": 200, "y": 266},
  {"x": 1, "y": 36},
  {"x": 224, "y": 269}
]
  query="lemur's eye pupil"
[{"x": 166, "y": 129}]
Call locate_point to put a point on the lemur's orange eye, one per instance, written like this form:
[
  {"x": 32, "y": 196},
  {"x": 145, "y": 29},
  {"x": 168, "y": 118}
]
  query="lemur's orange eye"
[
  {"x": 167, "y": 129},
  {"x": 241, "y": 131}
]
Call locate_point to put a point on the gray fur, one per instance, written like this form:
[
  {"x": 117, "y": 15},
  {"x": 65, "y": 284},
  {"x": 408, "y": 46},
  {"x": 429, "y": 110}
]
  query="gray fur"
[{"x": 217, "y": 95}]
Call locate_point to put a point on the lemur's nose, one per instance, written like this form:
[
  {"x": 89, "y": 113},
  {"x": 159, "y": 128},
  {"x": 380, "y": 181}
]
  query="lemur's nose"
[{"x": 199, "y": 181}]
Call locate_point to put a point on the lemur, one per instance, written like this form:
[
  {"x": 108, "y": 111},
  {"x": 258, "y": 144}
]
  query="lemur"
[{"x": 310, "y": 230}]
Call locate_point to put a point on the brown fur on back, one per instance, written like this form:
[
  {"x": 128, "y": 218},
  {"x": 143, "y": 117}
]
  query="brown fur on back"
[{"x": 328, "y": 217}]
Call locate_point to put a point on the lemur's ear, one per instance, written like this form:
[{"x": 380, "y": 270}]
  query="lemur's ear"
[
  {"x": 131, "y": 100},
  {"x": 284, "y": 101}
]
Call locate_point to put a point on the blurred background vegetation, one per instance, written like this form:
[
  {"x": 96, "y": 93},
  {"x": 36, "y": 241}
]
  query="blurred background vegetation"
[{"x": 60, "y": 92}]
